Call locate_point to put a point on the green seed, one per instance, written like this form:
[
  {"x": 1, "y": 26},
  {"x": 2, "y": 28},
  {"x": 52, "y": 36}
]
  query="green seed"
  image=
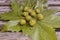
[
  {"x": 32, "y": 22},
  {"x": 25, "y": 14},
  {"x": 33, "y": 13},
  {"x": 40, "y": 16},
  {"x": 37, "y": 10},
  {"x": 30, "y": 10},
  {"x": 22, "y": 21},
  {"x": 28, "y": 18}
]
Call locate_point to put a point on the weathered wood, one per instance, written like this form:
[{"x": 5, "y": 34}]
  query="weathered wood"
[
  {"x": 4, "y": 8},
  {"x": 13, "y": 36},
  {"x": 54, "y": 7},
  {"x": 54, "y": 2},
  {"x": 58, "y": 35},
  {"x": 4, "y": 2},
  {"x": 2, "y": 23}
]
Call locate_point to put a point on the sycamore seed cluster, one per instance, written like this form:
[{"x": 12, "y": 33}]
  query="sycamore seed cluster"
[{"x": 31, "y": 16}]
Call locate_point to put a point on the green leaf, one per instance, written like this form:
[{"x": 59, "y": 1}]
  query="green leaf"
[
  {"x": 40, "y": 31},
  {"x": 9, "y": 16},
  {"x": 15, "y": 14},
  {"x": 33, "y": 32},
  {"x": 47, "y": 32},
  {"x": 12, "y": 23},
  {"x": 15, "y": 6},
  {"x": 53, "y": 20},
  {"x": 12, "y": 26},
  {"x": 48, "y": 12}
]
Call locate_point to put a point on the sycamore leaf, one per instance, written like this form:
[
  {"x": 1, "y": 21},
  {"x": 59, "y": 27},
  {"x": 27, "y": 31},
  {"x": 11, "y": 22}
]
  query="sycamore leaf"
[
  {"x": 15, "y": 6},
  {"x": 40, "y": 31},
  {"x": 53, "y": 20},
  {"x": 9, "y": 16},
  {"x": 15, "y": 14},
  {"x": 15, "y": 28},
  {"x": 48, "y": 12},
  {"x": 47, "y": 32},
  {"x": 12, "y": 26},
  {"x": 12, "y": 23},
  {"x": 33, "y": 32}
]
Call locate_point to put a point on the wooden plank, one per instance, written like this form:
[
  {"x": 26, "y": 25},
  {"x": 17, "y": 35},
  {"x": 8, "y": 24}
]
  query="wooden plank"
[
  {"x": 4, "y": 9},
  {"x": 13, "y": 36},
  {"x": 2, "y": 23},
  {"x": 54, "y": 2},
  {"x": 54, "y": 7},
  {"x": 58, "y": 35},
  {"x": 4, "y": 2}
]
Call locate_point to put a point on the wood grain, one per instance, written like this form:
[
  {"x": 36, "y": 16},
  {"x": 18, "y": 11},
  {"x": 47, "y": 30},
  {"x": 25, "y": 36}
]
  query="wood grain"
[
  {"x": 58, "y": 35},
  {"x": 54, "y": 2},
  {"x": 4, "y": 7},
  {"x": 13, "y": 36},
  {"x": 4, "y": 2}
]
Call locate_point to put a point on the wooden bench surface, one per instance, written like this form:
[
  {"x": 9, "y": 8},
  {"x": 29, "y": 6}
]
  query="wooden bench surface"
[{"x": 4, "y": 7}]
